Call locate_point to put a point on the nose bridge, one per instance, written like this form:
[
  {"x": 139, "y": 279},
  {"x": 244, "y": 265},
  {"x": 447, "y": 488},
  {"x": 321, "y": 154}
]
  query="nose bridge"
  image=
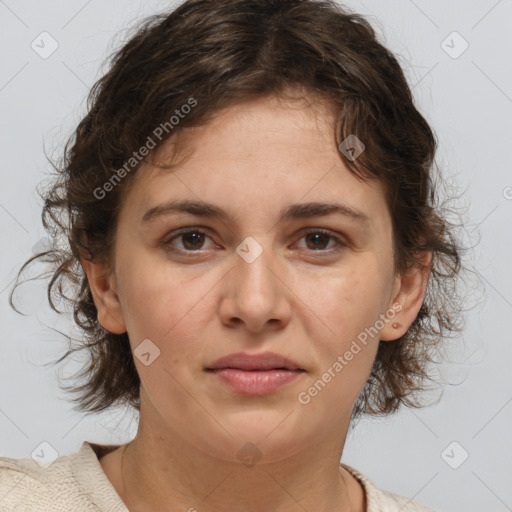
[
  {"x": 252, "y": 270},
  {"x": 256, "y": 293}
]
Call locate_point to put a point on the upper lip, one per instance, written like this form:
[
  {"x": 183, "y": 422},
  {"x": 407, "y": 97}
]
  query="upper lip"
[{"x": 245, "y": 361}]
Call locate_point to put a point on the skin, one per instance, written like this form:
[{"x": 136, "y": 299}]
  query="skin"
[{"x": 251, "y": 160}]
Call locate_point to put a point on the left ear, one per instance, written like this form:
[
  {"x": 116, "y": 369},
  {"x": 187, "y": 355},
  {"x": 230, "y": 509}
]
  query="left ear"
[{"x": 408, "y": 291}]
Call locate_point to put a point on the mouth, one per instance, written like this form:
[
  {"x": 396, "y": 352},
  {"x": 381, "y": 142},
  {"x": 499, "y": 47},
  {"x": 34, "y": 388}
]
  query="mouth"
[
  {"x": 255, "y": 382},
  {"x": 267, "y": 361},
  {"x": 259, "y": 370},
  {"x": 254, "y": 374}
]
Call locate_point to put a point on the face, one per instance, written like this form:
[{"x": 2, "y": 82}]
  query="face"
[{"x": 301, "y": 286}]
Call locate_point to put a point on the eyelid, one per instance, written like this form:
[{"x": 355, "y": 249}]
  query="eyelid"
[
  {"x": 341, "y": 242},
  {"x": 183, "y": 231},
  {"x": 333, "y": 234}
]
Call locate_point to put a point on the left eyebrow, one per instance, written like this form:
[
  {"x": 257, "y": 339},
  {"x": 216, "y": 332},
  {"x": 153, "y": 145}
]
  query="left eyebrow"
[{"x": 294, "y": 211}]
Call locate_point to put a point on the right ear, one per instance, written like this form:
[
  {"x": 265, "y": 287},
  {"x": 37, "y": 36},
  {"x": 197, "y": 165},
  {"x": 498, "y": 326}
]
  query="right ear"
[{"x": 102, "y": 283}]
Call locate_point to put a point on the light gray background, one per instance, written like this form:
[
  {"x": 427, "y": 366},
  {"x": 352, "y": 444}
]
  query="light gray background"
[{"x": 468, "y": 101}]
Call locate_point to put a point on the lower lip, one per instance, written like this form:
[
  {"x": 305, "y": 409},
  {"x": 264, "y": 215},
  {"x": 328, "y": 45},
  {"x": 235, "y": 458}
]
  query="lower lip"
[{"x": 256, "y": 382}]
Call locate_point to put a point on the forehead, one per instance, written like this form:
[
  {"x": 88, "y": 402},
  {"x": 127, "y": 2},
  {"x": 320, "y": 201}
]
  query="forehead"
[
  {"x": 265, "y": 126},
  {"x": 254, "y": 157}
]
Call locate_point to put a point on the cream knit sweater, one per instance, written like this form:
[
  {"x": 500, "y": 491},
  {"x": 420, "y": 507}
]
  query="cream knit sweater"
[{"x": 77, "y": 483}]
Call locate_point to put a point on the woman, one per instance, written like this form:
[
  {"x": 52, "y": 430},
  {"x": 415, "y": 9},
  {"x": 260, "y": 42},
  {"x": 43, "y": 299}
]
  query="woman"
[{"x": 254, "y": 231}]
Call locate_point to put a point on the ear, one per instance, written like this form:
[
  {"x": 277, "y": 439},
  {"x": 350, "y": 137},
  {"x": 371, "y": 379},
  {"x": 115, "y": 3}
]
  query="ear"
[
  {"x": 408, "y": 291},
  {"x": 104, "y": 291}
]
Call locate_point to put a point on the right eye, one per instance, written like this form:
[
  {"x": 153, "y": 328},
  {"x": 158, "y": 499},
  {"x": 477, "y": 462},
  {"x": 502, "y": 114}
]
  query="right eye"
[{"x": 192, "y": 240}]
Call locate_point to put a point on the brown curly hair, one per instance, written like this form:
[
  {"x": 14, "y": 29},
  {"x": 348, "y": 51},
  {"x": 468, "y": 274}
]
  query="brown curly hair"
[{"x": 220, "y": 52}]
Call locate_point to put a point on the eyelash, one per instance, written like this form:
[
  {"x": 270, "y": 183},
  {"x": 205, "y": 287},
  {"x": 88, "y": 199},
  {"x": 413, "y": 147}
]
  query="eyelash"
[{"x": 166, "y": 244}]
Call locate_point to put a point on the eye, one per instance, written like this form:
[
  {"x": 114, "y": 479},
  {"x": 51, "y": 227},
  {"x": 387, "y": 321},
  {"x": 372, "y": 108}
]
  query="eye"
[
  {"x": 317, "y": 239},
  {"x": 193, "y": 239}
]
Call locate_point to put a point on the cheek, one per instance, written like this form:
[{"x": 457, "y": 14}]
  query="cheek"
[
  {"x": 346, "y": 301},
  {"x": 166, "y": 305},
  {"x": 348, "y": 305}
]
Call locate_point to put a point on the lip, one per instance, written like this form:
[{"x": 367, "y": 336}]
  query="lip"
[
  {"x": 256, "y": 382},
  {"x": 262, "y": 362}
]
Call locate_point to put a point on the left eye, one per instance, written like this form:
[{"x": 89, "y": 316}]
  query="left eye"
[
  {"x": 193, "y": 240},
  {"x": 318, "y": 237}
]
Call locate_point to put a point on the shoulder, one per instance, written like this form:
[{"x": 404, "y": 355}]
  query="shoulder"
[
  {"x": 28, "y": 486},
  {"x": 385, "y": 501},
  {"x": 401, "y": 503}
]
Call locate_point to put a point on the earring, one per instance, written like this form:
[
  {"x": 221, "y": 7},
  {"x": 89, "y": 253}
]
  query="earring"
[{"x": 396, "y": 325}]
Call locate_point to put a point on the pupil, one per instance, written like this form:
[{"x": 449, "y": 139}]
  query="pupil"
[
  {"x": 195, "y": 235},
  {"x": 316, "y": 236}
]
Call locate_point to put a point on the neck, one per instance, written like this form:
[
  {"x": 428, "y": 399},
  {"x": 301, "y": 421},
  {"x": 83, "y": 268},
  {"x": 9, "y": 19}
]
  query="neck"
[{"x": 156, "y": 472}]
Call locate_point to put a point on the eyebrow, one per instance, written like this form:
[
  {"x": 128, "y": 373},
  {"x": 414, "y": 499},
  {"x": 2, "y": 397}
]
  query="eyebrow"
[{"x": 294, "y": 211}]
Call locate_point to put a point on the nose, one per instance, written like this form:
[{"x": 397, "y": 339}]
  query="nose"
[{"x": 256, "y": 295}]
